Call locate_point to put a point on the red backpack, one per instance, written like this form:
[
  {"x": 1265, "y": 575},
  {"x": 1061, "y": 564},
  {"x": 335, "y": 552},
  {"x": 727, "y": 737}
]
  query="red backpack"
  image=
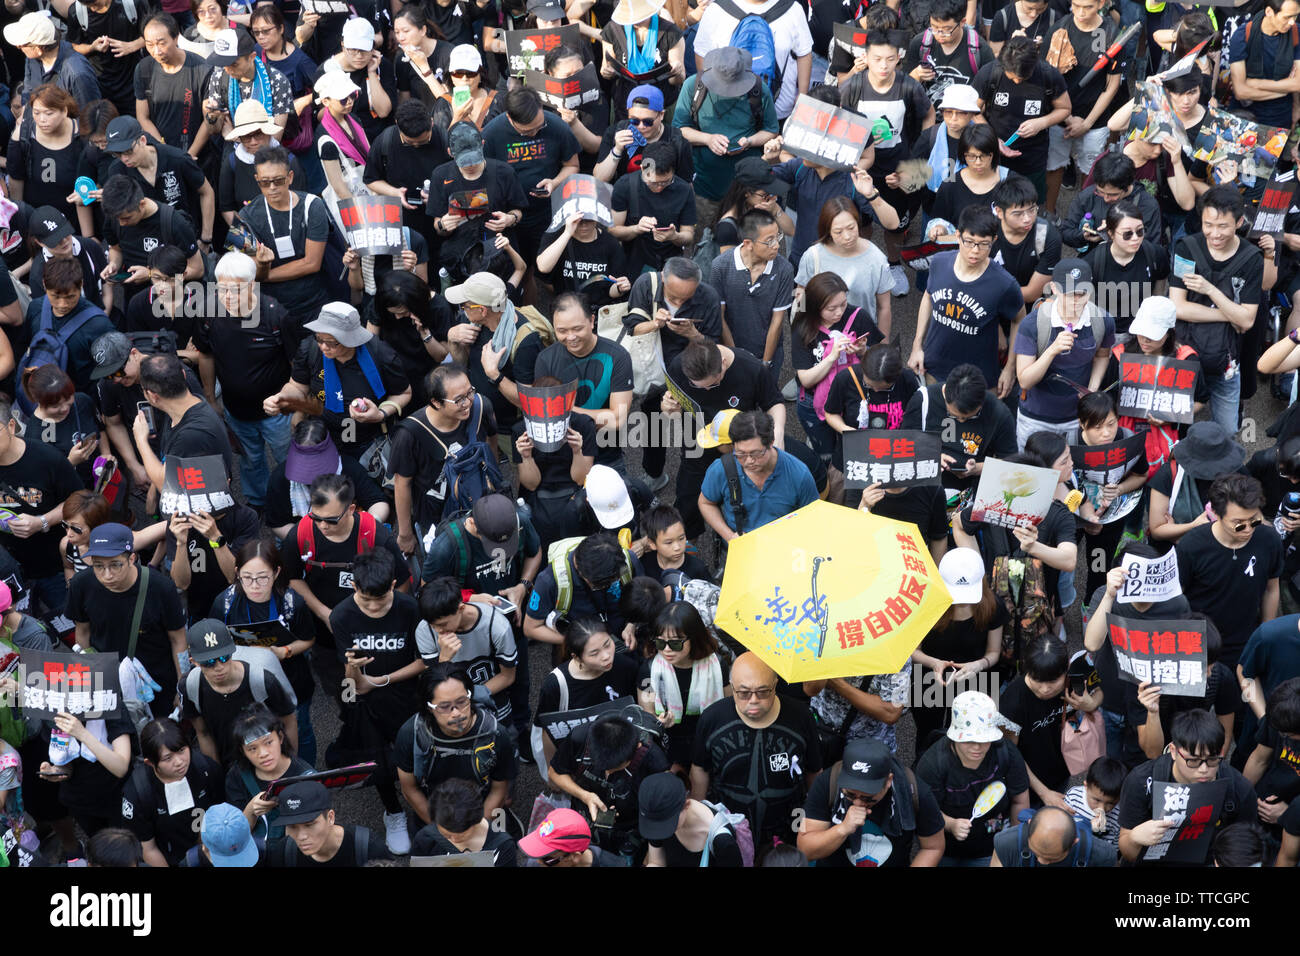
[{"x": 306, "y": 541}]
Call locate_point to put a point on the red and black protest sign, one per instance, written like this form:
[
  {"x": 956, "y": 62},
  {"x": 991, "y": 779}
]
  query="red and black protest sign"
[
  {"x": 1168, "y": 653},
  {"x": 527, "y": 48},
  {"x": 585, "y": 196},
  {"x": 373, "y": 225},
  {"x": 1157, "y": 386},
  {"x": 1194, "y": 809},
  {"x": 568, "y": 93},
  {"x": 1274, "y": 204},
  {"x": 344, "y": 778},
  {"x": 83, "y": 685},
  {"x": 892, "y": 458},
  {"x": 546, "y": 413},
  {"x": 825, "y": 134},
  {"x": 1108, "y": 464},
  {"x": 193, "y": 485}
]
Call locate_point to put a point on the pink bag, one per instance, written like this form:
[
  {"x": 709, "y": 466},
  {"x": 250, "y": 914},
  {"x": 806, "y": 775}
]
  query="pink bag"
[
  {"x": 823, "y": 388},
  {"x": 1083, "y": 744}
]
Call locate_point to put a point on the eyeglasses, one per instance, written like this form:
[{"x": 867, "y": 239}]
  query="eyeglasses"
[
  {"x": 256, "y": 580},
  {"x": 633, "y": 121},
  {"x": 262, "y": 31},
  {"x": 1137, "y": 233},
  {"x": 1239, "y": 526},
  {"x": 944, "y": 31},
  {"x": 758, "y": 693},
  {"x": 451, "y": 707},
  {"x": 327, "y": 343},
  {"x": 1115, "y": 195},
  {"x": 463, "y": 400},
  {"x": 75, "y": 529},
  {"x": 323, "y": 520},
  {"x": 552, "y": 859},
  {"x": 117, "y": 567},
  {"x": 744, "y": 456},
  {"x": 1195, "y": 763},
  {"x": 223, "y": 659},
  {"x": 274, "y": 182},
  {"x": 773, "y": 243},
  {"x": 978, "y": 246},
  {"x": 671, "y": 643}
]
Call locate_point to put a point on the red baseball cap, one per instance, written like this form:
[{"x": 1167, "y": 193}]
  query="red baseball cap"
[{"x": 563, "y": 831}]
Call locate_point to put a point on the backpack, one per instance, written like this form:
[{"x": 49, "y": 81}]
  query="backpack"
[
  {"x": 1080, "y": 853},
  {"x": 82, "y": 12},
  {"x": 1030, "y": 608},
  {"x": 755, "y": 97},
  {"x": 972, "y": 46},
  {"x": 154, "y": 341},
  {"x": 469, "y": 473},
  {"x": 534, "y": 321},
  {"x": 424, "y": 746},
  {"x": 260, "y": 663},
  {"x": 1084, "y": 743},
  {"x": 734, "y": 493},
  {"x": 360, "y": 847},
  {"x": 50, "y": 347},
  {"x": 559, "y": 557},
  {"x": 754, "y": 34},
  {"x": 306, "y": 541},
  {"x": 738, "y": 824},
  {"x": 706, "y": 250},
  {"x": 847, "y": 359}
]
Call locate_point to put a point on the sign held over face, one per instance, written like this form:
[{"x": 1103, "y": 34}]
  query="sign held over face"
[
  {"x": 526, "y": 49},
  {"x": 1157, "y": 386},
  {"x": 195, "y": 485},
  {"x": 546, "y": 413},
  {"x": 582, "y": 195},
  {"x": 825, "y": 134},
  {"x": 1148, "y": 580},
  {"x": 892, "y": 458}
]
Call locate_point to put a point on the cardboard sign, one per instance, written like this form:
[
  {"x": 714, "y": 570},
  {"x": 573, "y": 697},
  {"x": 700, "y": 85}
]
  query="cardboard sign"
[
  {"x": 893, "y": 458},
  {"x": 1274, "y": 204},
  {"x": 260, "y": 633},
  {"x": 525, "y": 49},
  {"x": 373, "y": 225},
  {"x": 1168, "y": 653},
  {"x": 327, "y": 7},
  {"x": 84, "y": 685},
  {"x": 546, "y": 413},
  {"x": 344, "y": 778},
  {"x": 1157, "y": 386},
  {"x": 1238, "y": 148},
  {"x": 658, "y": 72},
  {"x": 1154, "y": 118},
  {"x": 192, "y": 485},
  {"x": 1195, "y": 808},
  {"x": 560, "y": 723},
  {"x": 583, "y": 195},
  {"x": 1149, "y": 579},
  {"x": 825, "y": 134},
  {"x": 566, "y": 94},
  {"x": 1012, "y": 496},
  {"x": 1108, "y": 464}
]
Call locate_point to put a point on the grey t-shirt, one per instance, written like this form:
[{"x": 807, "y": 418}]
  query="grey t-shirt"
[{"x": 485, "y": 649}]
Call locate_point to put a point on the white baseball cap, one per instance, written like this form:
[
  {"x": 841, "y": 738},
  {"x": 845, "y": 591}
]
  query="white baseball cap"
[
  {"x": 32, "y": 29},
  {"x": 1154, "y": 318},
  {"x": 336, "y": 85},
  {"x": 358, "y": 34},
  {"x": 607, "y": 496},
  {"x": 959, "y": 96},
  {"x": 962, "y": 569},
  {"x": 465, "y": 57}
]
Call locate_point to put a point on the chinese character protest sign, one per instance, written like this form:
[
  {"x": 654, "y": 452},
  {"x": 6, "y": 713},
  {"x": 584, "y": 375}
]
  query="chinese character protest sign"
[
  {"x": 84, "y": 685},
  {"x": 825, "y": 134},
  {"x": 373, "y": 225},
  {"x": 895, "y": 459},
  {"x": 568, "y": 93},
  {"x": 1108, "y": 464},
  {"x": 560, "y": 723},
  {"x": 527, "y": 48},
  {"x": 546, "y": 413},
  {"x": 468, "y": 203},
  {"x": 582, "y": 195},
  {"x": 195, "y": 485},
  {"x": 1149, "y": 580},
  {"x": 1270, "y": 214},
  {"x": 1012, "y": 496},
  {"x": 1168, "y": 653},
  {"x": 326, "y": 8},
  {"x": 1157, "y": 386},
  {"x": 1194, "y": 809}
]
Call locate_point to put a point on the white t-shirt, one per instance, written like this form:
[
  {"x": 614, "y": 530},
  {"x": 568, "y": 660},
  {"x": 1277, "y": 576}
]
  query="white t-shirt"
[{"x": 791, "y": 34}]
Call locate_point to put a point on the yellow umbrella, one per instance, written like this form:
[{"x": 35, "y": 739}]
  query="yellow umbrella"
[{"x": 828, "y": 591}]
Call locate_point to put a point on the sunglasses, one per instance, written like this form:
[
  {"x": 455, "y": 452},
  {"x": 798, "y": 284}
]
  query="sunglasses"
[
  {"x": 1239, "y": 526},
  {"x": 464, "y": 74},
  {"x": 551, "y": 860},
  {"x": 1133, "y": 233},
  {"x": 671, "y": 644},
  {"x": 641, "y": 122},
  {"x": 223, "y": 659},
  {"x": 276, "y": 181},
  {"x": 68, "y": 525},
  {"x": 322, "y": 519}
]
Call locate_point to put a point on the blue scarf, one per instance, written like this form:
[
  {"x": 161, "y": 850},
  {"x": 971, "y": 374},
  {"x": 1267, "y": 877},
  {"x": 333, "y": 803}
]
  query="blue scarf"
[
  {"x": 261, "y": 89},
  {"x": 939, "y": 159},
  {"x": 642, "y": 59},
  {"x": 334, "y": 391}
]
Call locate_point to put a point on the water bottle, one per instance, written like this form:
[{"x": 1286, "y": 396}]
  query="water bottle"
[
  {"x": 1087, "y": 222},
  {"x": 1290, "y": 506}
]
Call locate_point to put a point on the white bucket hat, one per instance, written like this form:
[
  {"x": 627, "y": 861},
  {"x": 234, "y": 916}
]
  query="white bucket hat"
[{"x": 975, "y": 719}]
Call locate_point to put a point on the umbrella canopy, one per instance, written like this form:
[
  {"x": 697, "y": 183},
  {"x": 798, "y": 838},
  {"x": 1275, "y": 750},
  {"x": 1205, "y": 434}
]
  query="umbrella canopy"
[{"x": 828, "y": 591}]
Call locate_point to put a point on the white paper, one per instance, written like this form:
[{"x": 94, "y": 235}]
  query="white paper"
[
  {"x": 1149, "y": 580},
  {"x": 1011, "y": 495},
  {"x": 179, "y": 796}
]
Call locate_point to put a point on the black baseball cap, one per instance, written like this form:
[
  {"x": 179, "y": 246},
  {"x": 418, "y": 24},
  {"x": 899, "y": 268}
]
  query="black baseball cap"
[
  {"x": 865, "y": 767},
  {"x": 49, "y": 227},
  {"x": 659, "y": 804},
  {"x": 303, "y": 802},
  {"x": 209, "y": 639},
  {"x": 497, "y": 522},
  {"x": 123, "y": 133}
]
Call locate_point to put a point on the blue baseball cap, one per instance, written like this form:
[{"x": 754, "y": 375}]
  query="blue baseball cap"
[
  {"x": 226, "y": 835},
  {"x": 110, "y": 540},
  {"x": 654, "y": 99}
]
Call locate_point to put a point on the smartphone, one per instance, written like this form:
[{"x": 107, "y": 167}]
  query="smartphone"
[
  {"x": 604, "y": 820},
  {"x": 459, "y": 97},
  {"x": 119, "y": 276},
  {"x": 539, "y": 193},
  {"x": 736, "y": 150},
  {"x": 1078, "y": 686},
  {"x": 506, "y": 606},
  {"x": 145, "y": 409}
]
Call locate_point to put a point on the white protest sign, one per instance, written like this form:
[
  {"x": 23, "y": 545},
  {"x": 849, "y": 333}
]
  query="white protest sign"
[{"x": 1149, "y": 579}]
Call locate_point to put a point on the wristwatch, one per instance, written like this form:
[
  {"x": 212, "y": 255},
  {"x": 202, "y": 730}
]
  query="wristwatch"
[
  {"x": 218, "y": 542},
  {"x": 497, "y": 380}
]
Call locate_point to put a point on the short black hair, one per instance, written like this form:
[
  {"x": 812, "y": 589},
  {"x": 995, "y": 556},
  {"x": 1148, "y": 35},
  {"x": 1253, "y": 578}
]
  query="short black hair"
[
  {"x": 1191, "y": 80},
  {"x": 164, "y": 374},
  {"x": 373, "y": 572},
  {"x": 1107, "y": 775},
  {"x": 270, "y": 155},
  {"x": 1237, "y": 489},
  {"x": 598, "y": 558},
  {"x": 981, "y": 138},
  {"x": 1288, "y": 457},
  {"x": 440, "y": 598},
  {"x": 1223, "y": 198},
  {"x": 1019, "y": 55},
  {"x": 1046, "y": 659},
  {"x": 1114, "y": 169},
  {"x": 659, "y": 519},
  {"x": 1095, "y": 408},
  {"x": 1047, "y": 445},
  {"x": 965, "y": 389},
  {"x": 325, "y": 487},
  {"x": 662, "y": 154},
  {"x": 753, "y": 424},
  {"x": 1243, "y": 844},
  {"x": 114, "y": 847},
  {"x": 701, "y": 359},
  {"x": 880, "y": 38},
  {"x": 978, "y": 220},
  {"x": 168, "y": 259},
  {"x": 1284, "y": 707},
  {"x": 1198, "y": 732},
  {"x": 754, "y": 221},
  {"x": 120, "y": 195},
  {"x": 522, "y": 104},
  {"x": 458, "y": 805},
  {"x": 161, "y": 734},
  {"x": 611, "y": 742},
  {"x": 412, "y": 117},
  {"x": 1014, "y": 191},
  {"x": 944, "y": 10}
]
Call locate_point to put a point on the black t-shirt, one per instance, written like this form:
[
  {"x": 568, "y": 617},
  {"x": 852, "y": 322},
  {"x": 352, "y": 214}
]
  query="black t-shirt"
[
  {"x": 1086, "y": 45},
  {"x": 761, "y": 773},
  {"x": 556, "y": 466},
  {"x": 904, "y": 106},
  {"x": 497, "y": 189},
  {"x": 92, "y": 789},
  {"x": 1009, "y": 104},
  {"x": 237, "y": 180},
  {"x": 1006, "y": 22},
  {"x": 674, "y": 205},
  {"x": 175, "y": 99},
  {"x": 305, "y": 220},
  {"x": 745, "y": 385},
  {"x": 1120, "y": 288},
  {"x": 419, "y": 452},
  {"x": 113, "y": 71},
  {"x": 684, "y": 165},
  {"x": 33, "y": 485},
  {"x": 956, "y": 788},
  {"x": 279, "y": 853},
  {"x": 252, "y": 362},
  {"x": 1226, "y": 585},
  {"x": 177, "y": 180},
  {"x": 693, "y": 568},
  {"x": 961, "y": 641},
  {"x": 618, "y": 790},
  {"x": 606, "y": 369},
  {"x": 109, "y": 615},
  {"x": 1282, "y": 778},
  {"x": 1040, "y": 731},
  {"x": 146, "y": 812},
  {"x": 682, "y": 733},
  {"x": 390, "y": 640},
  {"x": 279, "y": 509},
  {"x": 409, "y": 81},
  {"x": 619, "y": 681},
  {"x": 164, "y": 227},
  {"x": 1023, "y": 260},
  {"x": 47, "y": 174},
  {"x": 580, "y": 261},
  {"x": 238, "y": 525},
  {"x": 531, "y": 158},
  {"x": 220, "y": 710},
  {"x": 145, "y": 314},
  {"x": 333, "y": 583},
  {"x": 482, "y": 572},
  {"x": 725, "y": 852},
  {"x": 200, "y": 431},
  {"x": 923, "y": 506},
  {"x": 400, "y": 165},
  {"x": 990, "y": 433},
  {"x": 1135, "y": 806},
  {"x": 1240, "y": 277},
  {"x": 429, "y": 842},
  {"x": 949, "y": 68},
  {"x": 82, "y": 420},
  {"x": 309, "y": 370},
  {"x": 517, "y": 367},
  {"x": 1058, "y": 527},
  {"x": 883, "y": 408},
  {"x": 478, "y": 757},
  {"x": 876, "y": 845},
  {"x": 361, "y": 111}
]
